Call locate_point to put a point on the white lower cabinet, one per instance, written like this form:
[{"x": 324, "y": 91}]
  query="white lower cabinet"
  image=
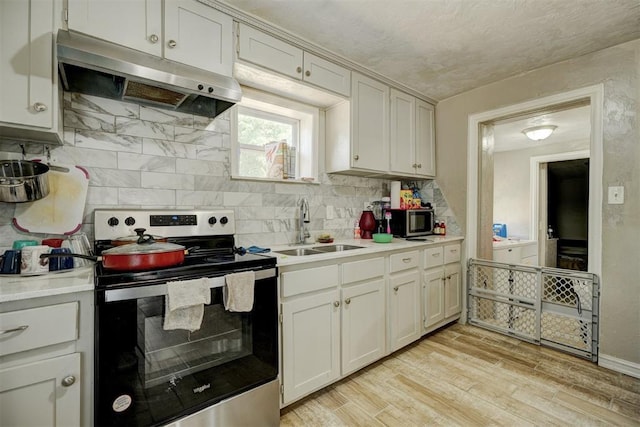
[
  {"x": 404, "y": 299},
  {"x": 46, "y": 361},
  {"x": 442, "y": 286},
  {"x": 362, "y": 325},
  {"x": 338, "y": 316},
  {"x": 310, "y": 343},
  {"x": 44, "y": 393}
]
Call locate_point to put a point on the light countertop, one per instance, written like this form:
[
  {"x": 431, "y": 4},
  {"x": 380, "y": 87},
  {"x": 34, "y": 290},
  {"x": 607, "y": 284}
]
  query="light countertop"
[
  {"x": 368, "y": 247},
  {"x": 511, "y": 243},
  {"x": 15, "y": 287}
]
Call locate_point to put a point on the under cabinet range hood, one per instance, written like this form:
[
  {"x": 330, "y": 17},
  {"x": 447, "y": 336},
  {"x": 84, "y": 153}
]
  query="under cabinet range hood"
[{"x": 96, "y": 67}]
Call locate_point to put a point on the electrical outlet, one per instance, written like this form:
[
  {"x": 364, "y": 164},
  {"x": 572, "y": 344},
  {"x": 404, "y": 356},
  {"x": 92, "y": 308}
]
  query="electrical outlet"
[
  {"x": 616, "y": 195},
  {"x": 329, "y": 214}
]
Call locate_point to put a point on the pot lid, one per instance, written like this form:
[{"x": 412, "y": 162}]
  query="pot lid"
[
  {"x": 134, "y": 237},
  {"x": 144, "y": 246}
]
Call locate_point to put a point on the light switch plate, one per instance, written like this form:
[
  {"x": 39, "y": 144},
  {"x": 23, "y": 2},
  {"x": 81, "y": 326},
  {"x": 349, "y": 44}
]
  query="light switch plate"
[{"x": 616, "y": 195}]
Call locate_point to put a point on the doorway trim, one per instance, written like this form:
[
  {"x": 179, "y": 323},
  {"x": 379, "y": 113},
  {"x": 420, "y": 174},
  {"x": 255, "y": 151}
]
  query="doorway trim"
[{"x": 595, "y": 94}]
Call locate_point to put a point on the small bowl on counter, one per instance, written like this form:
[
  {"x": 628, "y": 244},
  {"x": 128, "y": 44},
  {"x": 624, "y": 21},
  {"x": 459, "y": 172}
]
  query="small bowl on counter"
[{"x": 382, "y": 237}]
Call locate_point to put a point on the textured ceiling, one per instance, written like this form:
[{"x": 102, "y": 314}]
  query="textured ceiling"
[{"x": 444, "y": 47}]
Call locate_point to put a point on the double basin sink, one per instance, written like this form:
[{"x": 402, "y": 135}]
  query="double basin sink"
[{"x": 316, "y": 250}]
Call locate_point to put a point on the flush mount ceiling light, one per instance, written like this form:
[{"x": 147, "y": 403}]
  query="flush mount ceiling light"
[{"x": 538, "y": 133}]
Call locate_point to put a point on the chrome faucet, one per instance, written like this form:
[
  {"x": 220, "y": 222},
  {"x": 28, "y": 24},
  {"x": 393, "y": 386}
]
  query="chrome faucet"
[{"x": 304, "y": 218}]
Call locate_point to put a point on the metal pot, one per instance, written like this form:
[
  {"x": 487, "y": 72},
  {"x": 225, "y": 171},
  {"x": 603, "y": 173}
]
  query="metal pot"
[
  {"x": 23, "y": 181},
  {"x": 147, "y": 254}
]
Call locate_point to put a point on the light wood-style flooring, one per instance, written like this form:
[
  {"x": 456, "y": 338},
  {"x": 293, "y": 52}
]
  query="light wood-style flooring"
[{"x": 467, "y": 376}]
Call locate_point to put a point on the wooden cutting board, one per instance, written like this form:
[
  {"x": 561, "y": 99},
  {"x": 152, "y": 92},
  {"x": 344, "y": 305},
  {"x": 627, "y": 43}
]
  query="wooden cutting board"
[{"x": 62, "y": 210}]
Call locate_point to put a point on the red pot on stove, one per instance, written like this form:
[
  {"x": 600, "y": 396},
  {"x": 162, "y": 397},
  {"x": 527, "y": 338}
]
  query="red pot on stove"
[{"x": 146, "y": 254}]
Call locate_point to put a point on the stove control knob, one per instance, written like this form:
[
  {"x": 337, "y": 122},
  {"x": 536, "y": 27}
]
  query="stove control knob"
[
  {"x": 130, "y": 221},
  {"x": 224, "y": 220},
  {"x": 213, "y": 220},
  {"x": 113, "y": 221}
]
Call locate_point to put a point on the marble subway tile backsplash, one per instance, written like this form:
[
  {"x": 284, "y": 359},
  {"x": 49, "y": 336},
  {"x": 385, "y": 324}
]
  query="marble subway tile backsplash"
[{"x": 142, "y": 157}]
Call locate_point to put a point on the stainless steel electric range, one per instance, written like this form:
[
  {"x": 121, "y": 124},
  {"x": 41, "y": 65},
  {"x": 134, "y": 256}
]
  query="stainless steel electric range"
[{"x": 226, "y": 372}]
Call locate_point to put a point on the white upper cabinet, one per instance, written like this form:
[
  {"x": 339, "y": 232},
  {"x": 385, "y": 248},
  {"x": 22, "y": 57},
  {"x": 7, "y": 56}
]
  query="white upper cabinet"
[
  {"x": 357, "y": 131},
  {"x": 412, "y": 150},
  {"x": 194, "y": 33},
  {"x": 262, "y": 49},
  {"x": 198, "y": 35},
  {"x": 403, "y": 132},
  {"x": 29, "y": 83},
  {"x": 135, "y": 24},
  {"x": 425, "y": 140}
]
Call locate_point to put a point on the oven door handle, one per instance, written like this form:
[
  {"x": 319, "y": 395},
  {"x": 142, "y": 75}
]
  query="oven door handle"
[{"x": 161, "y": 290}]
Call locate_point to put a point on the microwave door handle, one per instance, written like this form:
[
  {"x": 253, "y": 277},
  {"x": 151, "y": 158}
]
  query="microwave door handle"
[{"x": 114, "y": 295}]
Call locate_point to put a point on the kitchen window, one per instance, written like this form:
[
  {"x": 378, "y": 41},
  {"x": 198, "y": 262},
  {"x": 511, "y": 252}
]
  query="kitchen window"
[{"x": 274, "y": 138}]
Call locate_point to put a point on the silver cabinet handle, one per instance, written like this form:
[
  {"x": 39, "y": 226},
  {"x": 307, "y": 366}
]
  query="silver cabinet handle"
[
  {"x": 436, "y": 255},
  {"x": 414, "y": 165},
  {"x": 336, "y": 303},
  {"x": 307, "y": 73},
  {"x": 449, "y": 277},
  {"x": 18, "y": 329},
  {"x": 153, "y": 38},
  {"x": 444, "y": 279},
  {"x": 39, "y": 107},
  {"x": 68, "y": 381},
  {"x": 172, "y": 43},
  {"x": 395, "y": 289},
  {"x": 347, "y": 301},
  {"x": 298, "y": 69},
  {"x": 406, "y": 260},
  {"x": 356, "y": 157},
  {"x": 419, "y": 165}
]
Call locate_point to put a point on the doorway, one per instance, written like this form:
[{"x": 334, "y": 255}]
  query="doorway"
[{"x": 480, "y": 144}]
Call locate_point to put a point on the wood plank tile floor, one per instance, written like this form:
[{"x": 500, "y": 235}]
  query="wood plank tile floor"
[{"x": 467, "y": 376}]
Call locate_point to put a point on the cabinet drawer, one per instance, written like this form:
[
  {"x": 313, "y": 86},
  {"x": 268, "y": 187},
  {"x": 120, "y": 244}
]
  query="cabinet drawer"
[
  {"x": 308, "y": 280},
  {"x": 38, "y": 327},
  {"x": 403, "y": 261},
  {"x": 433, "y": 257},
  {"x": 362, "y": 270},
  {"x": 452, "y": 253}
]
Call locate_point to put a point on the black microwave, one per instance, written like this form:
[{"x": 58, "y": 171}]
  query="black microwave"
[{"x": 411, "y": 222}]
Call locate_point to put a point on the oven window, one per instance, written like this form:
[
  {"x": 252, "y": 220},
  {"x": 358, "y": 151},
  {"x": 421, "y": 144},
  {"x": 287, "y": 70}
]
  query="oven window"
[{"x": 148, "y": 376}]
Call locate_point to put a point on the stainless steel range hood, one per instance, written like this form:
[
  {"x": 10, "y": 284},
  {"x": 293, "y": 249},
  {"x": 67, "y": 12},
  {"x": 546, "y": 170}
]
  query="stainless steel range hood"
[{"x": 96, "y": 67}]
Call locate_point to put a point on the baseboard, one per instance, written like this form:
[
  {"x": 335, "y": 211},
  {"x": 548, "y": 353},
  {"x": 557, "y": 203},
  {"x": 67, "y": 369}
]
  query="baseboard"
[{"x": 619, "y": 365}]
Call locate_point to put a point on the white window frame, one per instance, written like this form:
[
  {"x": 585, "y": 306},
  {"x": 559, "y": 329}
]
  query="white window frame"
[{"x": 272, "y": 106}]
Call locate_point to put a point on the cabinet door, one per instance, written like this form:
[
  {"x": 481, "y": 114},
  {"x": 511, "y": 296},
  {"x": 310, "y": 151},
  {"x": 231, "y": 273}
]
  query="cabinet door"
[
  {"x": 453, "y": 290},
  {"x": 34, "y": 394},
  {"x": 326, "y": 74},
  {"x": 404, "y": 309},
  {"x": 403, "y": 125},
  {"x": 425, "y": 148},
  {"x": 198, "y": 35},
  {"x": 310, "y": 343},
  {"x": 27, "y": 86},
  {"x": 135, "y": 24},
  {"x": 507, "y": 255},
  {"x": 269, "y": 52},
  {"x": 363, "y": 325},
  {"x": 433, "y": 297},
  {"x": 370, "y": 124}
]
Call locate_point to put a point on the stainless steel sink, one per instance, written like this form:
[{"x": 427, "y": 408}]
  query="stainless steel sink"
[
  {"x": 336, "y": 248},
  {"x": 299, "y": 252}
]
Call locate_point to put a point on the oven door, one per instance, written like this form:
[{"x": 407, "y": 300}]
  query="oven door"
[{"x": 146, "y": 375}]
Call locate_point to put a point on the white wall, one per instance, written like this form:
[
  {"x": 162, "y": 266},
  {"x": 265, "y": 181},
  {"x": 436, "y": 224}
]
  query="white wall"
[
  {"x": 512, "y": 196},
  {"x": 618, "y": 69}
]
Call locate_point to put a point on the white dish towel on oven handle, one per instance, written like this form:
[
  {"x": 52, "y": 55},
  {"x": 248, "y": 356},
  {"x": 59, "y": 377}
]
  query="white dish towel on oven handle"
[
  {"x": 238, "y": 294},
  {"x": 184, "y": 304}
]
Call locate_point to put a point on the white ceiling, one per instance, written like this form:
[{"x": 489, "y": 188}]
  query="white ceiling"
[
  {"x": 441, "y": 48},
  {"x": 573, "y": 126}
]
